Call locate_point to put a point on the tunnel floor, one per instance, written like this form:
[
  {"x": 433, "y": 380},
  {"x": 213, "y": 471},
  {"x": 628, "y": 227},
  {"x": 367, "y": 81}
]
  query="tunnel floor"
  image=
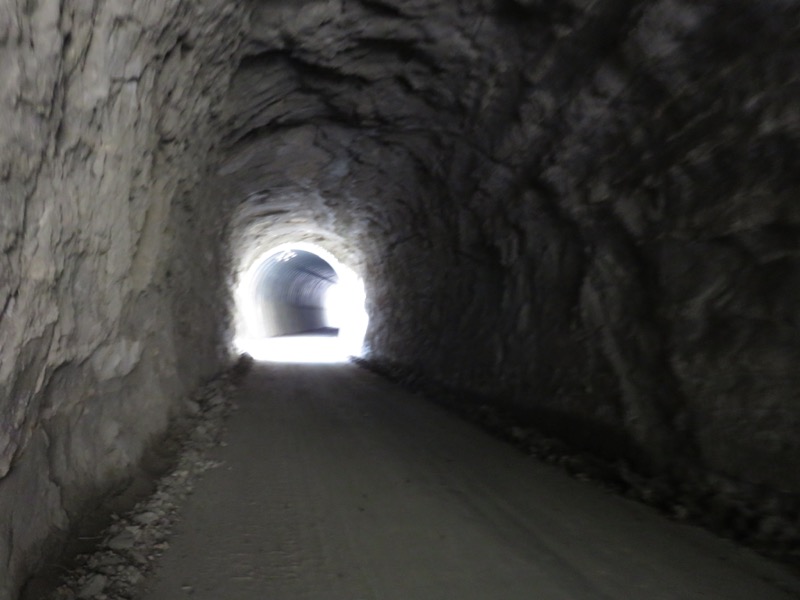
[{"x": 337, "y": 484}]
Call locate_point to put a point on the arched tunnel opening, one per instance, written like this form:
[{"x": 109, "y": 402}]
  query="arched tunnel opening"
[
  {"x": 292, "y": 288},
  {"x": 298, "y": 303}
]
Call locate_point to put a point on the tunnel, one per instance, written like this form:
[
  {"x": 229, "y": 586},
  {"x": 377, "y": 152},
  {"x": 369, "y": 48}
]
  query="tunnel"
[
  {"x": 292, "y": 289},
  {"x": 583, "y": 215},
  {"x": 295, "y": 306}
]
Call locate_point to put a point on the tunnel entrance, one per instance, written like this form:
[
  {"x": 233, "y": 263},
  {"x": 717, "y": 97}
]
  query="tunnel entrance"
[{"x": 297, "y": 303}]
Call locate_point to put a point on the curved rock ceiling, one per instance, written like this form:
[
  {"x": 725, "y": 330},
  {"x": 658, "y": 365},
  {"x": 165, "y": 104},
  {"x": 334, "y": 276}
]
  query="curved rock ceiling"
[{"x": 585, "y": 212}]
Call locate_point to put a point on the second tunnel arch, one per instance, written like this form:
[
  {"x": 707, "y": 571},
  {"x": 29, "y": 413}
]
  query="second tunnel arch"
[{"x": 297, "y": 302}]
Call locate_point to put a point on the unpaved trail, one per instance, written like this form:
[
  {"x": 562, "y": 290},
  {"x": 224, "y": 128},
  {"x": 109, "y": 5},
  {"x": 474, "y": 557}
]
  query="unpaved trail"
[{"x": 340, "y": 485}]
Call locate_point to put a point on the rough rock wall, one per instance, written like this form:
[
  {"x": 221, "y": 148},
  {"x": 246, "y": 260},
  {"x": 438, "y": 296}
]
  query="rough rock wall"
[
  {"x": 585, "y": 210},
  {"x": 106, "y": 114},
  {"x": 636, "y": 234},
  {"x": 649, "y": 242}
]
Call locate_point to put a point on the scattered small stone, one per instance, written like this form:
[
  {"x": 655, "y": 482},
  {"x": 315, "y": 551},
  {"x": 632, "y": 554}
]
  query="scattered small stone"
[
  {"x": 106, "y": 559},
  {"x": 123, "y": 541},
  {"x": 94, "y": 586},
  {"x": 192, "y": 407},
  {"x": 133, "y": 576},
  {"x": 134, "y": 541},
  {"x": 146, "y": 518}
]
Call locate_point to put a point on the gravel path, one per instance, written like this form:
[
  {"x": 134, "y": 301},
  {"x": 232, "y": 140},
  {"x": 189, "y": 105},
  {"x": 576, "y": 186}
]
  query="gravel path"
[{"x": 338, "y": 484}]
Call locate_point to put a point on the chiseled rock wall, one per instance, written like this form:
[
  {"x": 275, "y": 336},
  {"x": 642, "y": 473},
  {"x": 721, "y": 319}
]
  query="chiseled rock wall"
[
  {"x": 618, "y": 253},
  {"x": 584, "y": 210},
  {"x": 106, "y": 123}
]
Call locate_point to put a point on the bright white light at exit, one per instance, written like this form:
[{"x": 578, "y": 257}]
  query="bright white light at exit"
[
  {"x": 295, "y": 349},
  {"x": 344, "y": 307}
]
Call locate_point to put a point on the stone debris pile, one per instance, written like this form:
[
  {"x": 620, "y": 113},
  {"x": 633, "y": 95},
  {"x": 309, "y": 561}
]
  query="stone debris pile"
[{"x": 133, "y": 543}]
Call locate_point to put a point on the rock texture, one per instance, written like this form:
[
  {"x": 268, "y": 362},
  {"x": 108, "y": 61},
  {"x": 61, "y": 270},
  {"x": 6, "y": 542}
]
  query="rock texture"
[
  {"x": 588, "y": 209},
  {"x": 585, "y": 212},
  {"x": 109, "y": 264},
  {"x": 133, "y": 543}
]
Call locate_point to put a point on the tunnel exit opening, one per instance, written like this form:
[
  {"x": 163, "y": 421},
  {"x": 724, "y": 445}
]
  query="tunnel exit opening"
[{"x": 298, "y": 303}]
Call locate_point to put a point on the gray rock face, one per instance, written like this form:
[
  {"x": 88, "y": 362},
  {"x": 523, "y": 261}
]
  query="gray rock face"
[
  {"x": 589, "y": 212},
  {"x": 585, "y": 211},
  {"x": 106, "y": 112}
]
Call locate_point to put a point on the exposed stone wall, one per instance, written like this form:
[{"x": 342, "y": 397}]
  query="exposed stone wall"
[
  {"x": 642, "y": 273},
  {"x": 107, "y": 120},
  {"x": 587, "y": 211},
  {"x": 646, "y": 258}
]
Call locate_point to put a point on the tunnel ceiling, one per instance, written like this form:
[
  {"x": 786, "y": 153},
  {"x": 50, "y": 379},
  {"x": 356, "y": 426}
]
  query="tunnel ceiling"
[
  {"x": 341, "y": 113},
  {"x": 582, "y": 211}
]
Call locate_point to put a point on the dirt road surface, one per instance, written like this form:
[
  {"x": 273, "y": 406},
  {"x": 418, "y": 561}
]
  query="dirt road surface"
[{"x": 339, "y": 485}]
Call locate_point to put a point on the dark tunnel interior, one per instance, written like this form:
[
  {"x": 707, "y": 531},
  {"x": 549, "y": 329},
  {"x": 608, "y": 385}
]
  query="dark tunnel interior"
[{"x": 581, "y": 215}]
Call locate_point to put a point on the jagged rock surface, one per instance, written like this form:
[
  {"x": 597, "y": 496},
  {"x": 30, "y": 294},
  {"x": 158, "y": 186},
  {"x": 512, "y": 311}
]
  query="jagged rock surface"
[
  {"x": 106, "y": 111},
  {"x": 588, "y": 209},
  {"x": 584, "y": 211},
  {"x": 133, "y": 543}
]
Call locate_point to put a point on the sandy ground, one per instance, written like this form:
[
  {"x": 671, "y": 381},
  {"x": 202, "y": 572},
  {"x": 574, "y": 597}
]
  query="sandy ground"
[{"x": 339, "y": 485}]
